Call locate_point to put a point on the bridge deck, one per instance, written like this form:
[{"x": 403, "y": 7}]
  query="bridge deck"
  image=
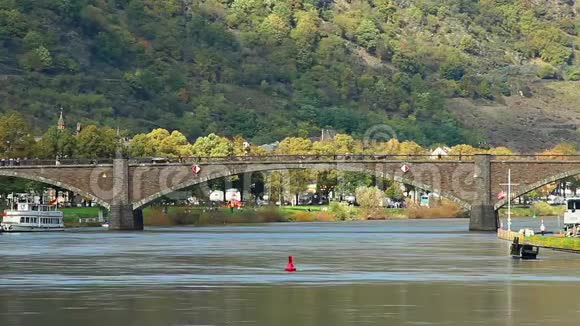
[{"x": 334, "y": 158}]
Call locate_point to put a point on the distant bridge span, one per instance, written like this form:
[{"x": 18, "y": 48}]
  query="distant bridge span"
[{"x": 125, "y": 186}]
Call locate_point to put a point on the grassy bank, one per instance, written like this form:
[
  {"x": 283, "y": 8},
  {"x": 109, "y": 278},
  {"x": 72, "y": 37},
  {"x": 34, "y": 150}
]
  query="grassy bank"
[
  {"x": 73, "y": 214},
  {"x": 538, "y": 209},
  {"x": 555, "y": 242},
  {"x": 157, "y": 216}
]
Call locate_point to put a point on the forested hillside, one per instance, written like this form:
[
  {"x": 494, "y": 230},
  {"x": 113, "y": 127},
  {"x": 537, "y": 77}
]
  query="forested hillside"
[{"x": 267, "y": 69}]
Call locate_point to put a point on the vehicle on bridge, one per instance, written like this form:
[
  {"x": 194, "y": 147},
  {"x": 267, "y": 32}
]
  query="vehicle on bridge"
[
  {"x": 572, "y": 217},
  {"x": 29, "y": 217}
]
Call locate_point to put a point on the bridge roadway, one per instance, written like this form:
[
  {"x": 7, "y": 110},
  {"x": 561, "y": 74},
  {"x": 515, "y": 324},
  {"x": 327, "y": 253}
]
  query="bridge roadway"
[{"x": 125, "y": 186}]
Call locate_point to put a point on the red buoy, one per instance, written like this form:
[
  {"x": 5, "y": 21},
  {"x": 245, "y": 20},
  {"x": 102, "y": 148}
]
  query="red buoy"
[{"x": 290, "y": 267}]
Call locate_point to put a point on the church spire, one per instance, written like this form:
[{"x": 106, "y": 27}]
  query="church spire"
[{"x": 61, "y": 125}]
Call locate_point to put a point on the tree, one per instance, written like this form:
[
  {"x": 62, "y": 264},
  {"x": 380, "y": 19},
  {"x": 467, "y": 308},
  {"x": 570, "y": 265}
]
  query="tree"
[
  {"x": 341, "y": 144},
  {"x": 394, "y": 191},
  {"x": 411, "y": 148},
  {"x": 559, "y": 151},
  {"x": 277, "y": 185},
  {"x": 574, "y": 184},
  {"x": 160, "y": 143},
  {"x": 452, "y": 70},
  {"x": 369, "y": 197},
  {"x": 12, "y": 24},
  {"x": 367, "y": 35},
  {"x": 212, "y": 145},
  {"x": 56, "y": 144},
  {"x": 294, "y": 145},
  {"x": 392, "y": 146},
  {"x": 15, "y": 139},
  {"x": 95, "y": 142},
  {"x": 305, "y": 35},
  {"x": 465, "y": 150},
  {"x": 275, "y": 28},
  {"x": 349, "y": 181}
]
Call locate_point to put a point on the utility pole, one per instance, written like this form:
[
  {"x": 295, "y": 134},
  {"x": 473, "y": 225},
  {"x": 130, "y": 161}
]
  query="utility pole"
[{"x": 509, "y": 198}]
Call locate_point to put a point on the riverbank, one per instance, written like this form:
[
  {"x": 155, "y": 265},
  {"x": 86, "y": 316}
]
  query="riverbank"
[
  {"x": 72, "y": 216},
  {"x": 552, "y": 242},
  {"x": 172, "y": 215},
  {"x": 538, "y": 209},
  {"x": 158, "y": 216}
]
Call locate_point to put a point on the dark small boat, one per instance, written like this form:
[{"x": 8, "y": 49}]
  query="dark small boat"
[{"x": 518, "y": 250}]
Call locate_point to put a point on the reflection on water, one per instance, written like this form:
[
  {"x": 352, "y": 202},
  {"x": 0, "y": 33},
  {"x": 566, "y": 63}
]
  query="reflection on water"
[{"x": 370, "y": 273}]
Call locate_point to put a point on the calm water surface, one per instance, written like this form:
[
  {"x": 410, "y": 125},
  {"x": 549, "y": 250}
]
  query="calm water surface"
[{"x": 361, "y": 273}]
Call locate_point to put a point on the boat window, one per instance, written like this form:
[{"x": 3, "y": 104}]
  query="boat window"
[
  {"x": 27, "y": 219},
  {"x": 573, "y": 204},
  {"x": 34, "y": 208},
  {"x": 22, "y": 220}
]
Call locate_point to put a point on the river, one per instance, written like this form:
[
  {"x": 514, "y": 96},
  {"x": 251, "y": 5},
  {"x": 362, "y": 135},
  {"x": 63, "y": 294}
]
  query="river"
[{"x": 408, "y": 272}]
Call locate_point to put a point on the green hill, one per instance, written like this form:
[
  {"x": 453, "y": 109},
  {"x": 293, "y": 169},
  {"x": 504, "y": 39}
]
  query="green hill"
[{"x": 266, "y": 69}]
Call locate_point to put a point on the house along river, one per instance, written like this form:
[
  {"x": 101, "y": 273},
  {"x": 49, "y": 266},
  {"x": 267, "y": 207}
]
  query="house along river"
[{"x": 418, "y": 272}]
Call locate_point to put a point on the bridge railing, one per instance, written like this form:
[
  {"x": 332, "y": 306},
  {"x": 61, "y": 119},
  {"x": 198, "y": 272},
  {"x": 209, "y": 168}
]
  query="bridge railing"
[
  {"x": 300, "y": 157},
  {"x": 537, "y": 157},
  {"x": 10, "y": 163}
]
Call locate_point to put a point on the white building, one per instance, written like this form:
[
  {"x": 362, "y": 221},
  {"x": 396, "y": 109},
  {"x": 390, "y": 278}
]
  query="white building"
[{"x": 440, "y": 152}]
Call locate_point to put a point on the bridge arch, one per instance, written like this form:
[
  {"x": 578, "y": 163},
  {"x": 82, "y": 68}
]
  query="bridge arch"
[
  {"x": 228, "y": 171},
  {"x": 18, "y": 174},
  {"x": 520, "y": 191}
]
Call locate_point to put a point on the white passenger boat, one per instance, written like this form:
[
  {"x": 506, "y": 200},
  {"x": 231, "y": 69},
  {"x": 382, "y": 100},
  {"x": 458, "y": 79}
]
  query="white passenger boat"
[
  {"x": 572, "y": 217},
  {"x": 27, "y": 217}
]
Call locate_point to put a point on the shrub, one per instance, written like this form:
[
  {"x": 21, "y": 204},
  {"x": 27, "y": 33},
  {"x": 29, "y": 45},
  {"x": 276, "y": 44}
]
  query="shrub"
[
  {"x": 574, "y": 74},
  {"x": 547, "y": 71},
  {"x": 342, "y": 211},
  {"x": 303, "y": 216},
  {"x": 325, "y": 217},
  {"x": 270, "y": 215},
  {"x": 444, "y": 210},
  {"x": 544, "y": 209},
  {"x": 369, "y": 197}
]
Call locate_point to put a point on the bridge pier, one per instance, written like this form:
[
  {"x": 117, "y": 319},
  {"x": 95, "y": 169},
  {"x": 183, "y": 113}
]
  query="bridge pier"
[
  {"x": 483, "y": 214},
  {"x": 122, "y": 216}
]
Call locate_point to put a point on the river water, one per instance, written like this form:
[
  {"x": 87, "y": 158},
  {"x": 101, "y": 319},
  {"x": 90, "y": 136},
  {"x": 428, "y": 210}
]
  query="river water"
[{"x": 416, "y": 272}]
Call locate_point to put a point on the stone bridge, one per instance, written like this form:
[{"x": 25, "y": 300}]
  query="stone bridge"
[{"x": 125, "y": 186}]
